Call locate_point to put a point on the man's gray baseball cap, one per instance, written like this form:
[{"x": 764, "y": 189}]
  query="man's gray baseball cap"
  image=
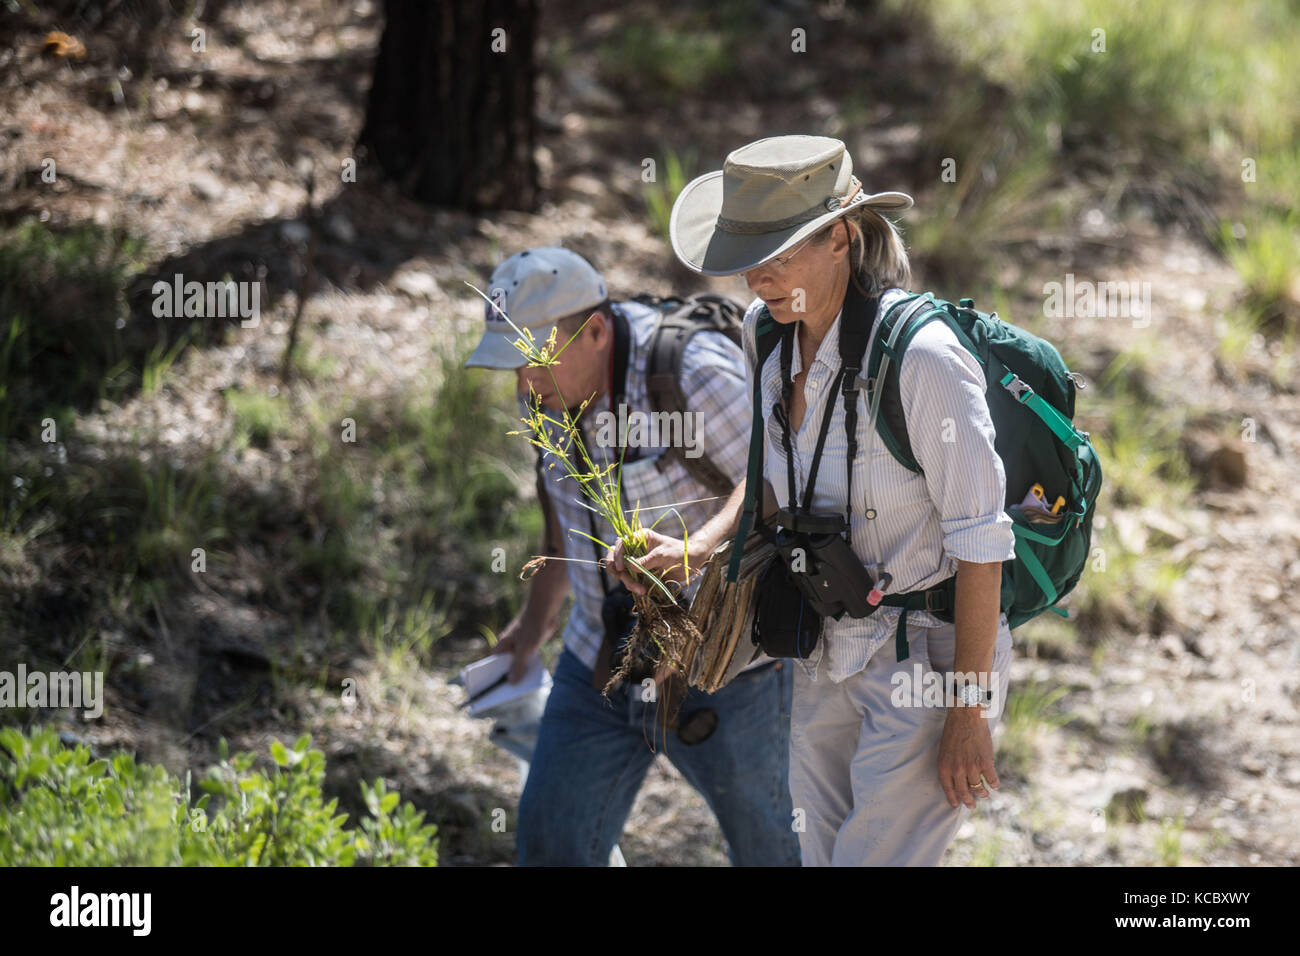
[{"x": 535, "y": 288}]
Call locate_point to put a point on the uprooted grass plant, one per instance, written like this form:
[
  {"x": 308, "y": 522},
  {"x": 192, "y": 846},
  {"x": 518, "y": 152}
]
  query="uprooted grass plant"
[{"x": 663, "y": 626}]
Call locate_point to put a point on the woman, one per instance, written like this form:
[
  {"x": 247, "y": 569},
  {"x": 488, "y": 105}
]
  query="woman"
[{"x": 875, "y": 778}]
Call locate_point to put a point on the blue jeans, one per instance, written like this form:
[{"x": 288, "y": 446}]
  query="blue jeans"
[{"x": 593, "y": 754}]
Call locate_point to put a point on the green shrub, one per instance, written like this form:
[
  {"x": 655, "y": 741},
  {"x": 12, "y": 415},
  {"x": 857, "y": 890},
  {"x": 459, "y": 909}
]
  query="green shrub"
[
  {"x": 62, "y": 314},
  {"x": 58, "y": 807},
  {"x": 667, "y": 58}
]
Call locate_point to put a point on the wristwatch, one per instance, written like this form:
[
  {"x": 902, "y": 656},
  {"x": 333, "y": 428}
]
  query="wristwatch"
[{"x": 970, "y": 695}]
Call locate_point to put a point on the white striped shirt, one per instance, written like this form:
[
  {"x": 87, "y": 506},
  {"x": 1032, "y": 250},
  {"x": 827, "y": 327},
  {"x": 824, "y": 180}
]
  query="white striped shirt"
[
  {"x": 714, "y": 382},
  {"x": 924, "y": 523}
]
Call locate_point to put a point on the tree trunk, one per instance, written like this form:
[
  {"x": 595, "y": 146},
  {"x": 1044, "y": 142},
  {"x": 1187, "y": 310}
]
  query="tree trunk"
[{"x": 450, "y": 114}]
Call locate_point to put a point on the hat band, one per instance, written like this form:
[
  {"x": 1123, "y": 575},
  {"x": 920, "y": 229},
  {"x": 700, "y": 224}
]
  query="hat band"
[{"x": 749, "y": 228}]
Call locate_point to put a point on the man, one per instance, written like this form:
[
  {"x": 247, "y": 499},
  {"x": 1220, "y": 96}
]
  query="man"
[{"x": 593, "y": 752}]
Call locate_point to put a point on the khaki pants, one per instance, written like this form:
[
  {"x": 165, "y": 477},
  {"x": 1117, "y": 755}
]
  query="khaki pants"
[{"x": 864, "y": 771}]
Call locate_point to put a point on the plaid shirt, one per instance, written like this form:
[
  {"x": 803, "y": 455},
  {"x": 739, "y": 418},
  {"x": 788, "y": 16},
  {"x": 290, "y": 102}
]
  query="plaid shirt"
[
  {"x": 925, "y": 523},
  {"x": 713, "y": 380}
]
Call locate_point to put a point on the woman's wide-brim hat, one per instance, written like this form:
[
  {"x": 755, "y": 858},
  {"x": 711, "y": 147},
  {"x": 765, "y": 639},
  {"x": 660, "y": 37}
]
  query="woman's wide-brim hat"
[{"x": 768, "y": 197}]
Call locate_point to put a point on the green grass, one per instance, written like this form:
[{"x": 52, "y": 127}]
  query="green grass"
[
  {"x": 989, "y": 849},
  {"x": 1138, "y": 435},
  {"x": 673, "y": 171},
  {"x": 159, "y": 362},
  {"x": 988, "y": 209},
  {"x": 1240, "y": 331},
  {"x": 1166, "y": 77},
  {"x": 258, "y": 416},
  {"x": 1141, "y": 727},
  {"x": 397, "y": 634},
  {"x": 1169, "y": 841},
  {"x": 668, "y": 58},
  {"x": 1048, "y": 635},
  {"x": 1122, "y": 588},
  {"x": 1267, "y": 257},
  {"x": 1138, "y": 438},
  {"x": 1030, "y": 711},
  {"x": 63, "y": 313},
  {"x": 1169, "y": 109}
]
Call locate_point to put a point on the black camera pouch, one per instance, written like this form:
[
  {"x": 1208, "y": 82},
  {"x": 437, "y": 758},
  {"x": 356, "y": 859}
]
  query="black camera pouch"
[{"x": 785, "y": 622}]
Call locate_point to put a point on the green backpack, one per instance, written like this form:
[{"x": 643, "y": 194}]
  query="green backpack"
[
  {"x": 1031, "y": 401},
  {"x": 1030, "y": 396}
]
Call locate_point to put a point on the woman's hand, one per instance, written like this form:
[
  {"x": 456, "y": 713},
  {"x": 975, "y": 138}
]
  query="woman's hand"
[
  {"x": 663, "y": 556},
  {"x": 966, "y": 749},
  {"x": 966, "y": 753}
]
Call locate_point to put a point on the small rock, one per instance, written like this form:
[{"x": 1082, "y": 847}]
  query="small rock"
[
  {"x": 1127, "y": 806},
  {"x": 1228, "y": 464},
  {"x": 588, "y": 92},
  {"x": 1165, "y": 531},
  {"x": 1131, "y": 531},
  {"x": 207, "y": 187},
  {"x": 1172, "y": 646},
  {"x": 339, "y": 227},
  {"x": 1217, "y": 462},
  {"x": 418, "y": 285},
  {"x": 295, "y": 231}
]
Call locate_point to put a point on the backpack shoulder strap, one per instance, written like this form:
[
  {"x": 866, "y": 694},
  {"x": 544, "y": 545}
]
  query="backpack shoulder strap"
[
  {"x": 768, "y": 334},
  {"x": 676, "y": 326},
  {"x": 619, "y": 360},
  {"x": 897, "y": 329},
  {"x": 859, "y": 315}
]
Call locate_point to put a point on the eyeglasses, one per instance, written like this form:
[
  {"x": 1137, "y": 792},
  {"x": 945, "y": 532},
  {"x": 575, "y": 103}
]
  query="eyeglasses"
[
  {"x": 784, "y": 261},
  {"x": 781, "y": 263}
]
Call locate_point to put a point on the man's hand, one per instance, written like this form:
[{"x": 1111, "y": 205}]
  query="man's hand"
[
  {"x": 663, "y": 556},
  {"x": 520, "y": 639},
  {"x": 966, "y": 753}
]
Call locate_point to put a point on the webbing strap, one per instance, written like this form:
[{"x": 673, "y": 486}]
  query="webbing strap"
[
  {"x": 859, "y": 319},
  {"x": 783, "y": 410},
  {"x": 1058, "y": 423},
  {"x": 817, "y": 451},
  {"x": 1023, "y": 532},
  {"x": 1035, "y": 568},
  {"x": 856, "y": 321},
  {"x": 927, "y": 600},
  {"x": 752, "y": 479},
  {"x": 901, "y": 650}
]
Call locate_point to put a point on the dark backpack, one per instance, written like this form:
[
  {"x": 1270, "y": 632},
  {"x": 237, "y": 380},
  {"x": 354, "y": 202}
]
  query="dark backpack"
[
  {"x": 679, "y": 319},
  {"x": 1030, "y": 396}
]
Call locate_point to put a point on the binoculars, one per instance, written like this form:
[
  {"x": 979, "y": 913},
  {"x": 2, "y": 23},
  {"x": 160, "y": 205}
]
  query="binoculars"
[{"x": 822, "y": 563}]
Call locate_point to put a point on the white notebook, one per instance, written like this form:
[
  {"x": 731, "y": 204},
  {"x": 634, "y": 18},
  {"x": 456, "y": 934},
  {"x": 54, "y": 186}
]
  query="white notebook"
[{"x": 489, "y": 692}]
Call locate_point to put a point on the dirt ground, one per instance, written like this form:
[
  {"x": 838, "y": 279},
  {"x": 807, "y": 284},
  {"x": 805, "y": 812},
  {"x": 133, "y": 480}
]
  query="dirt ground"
[{"x": 1189, "y": 715}]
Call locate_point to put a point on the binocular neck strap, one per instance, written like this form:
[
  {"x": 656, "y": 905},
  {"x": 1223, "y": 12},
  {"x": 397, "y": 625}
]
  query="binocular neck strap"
[{"x": 855, "y": 330}]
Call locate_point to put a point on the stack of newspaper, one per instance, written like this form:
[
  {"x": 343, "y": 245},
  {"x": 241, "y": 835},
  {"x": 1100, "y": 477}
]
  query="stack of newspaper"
[{"x": 724, "y": 613}]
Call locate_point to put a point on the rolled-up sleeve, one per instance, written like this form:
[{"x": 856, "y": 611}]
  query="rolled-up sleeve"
[{"x": 952, "y": 438}]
